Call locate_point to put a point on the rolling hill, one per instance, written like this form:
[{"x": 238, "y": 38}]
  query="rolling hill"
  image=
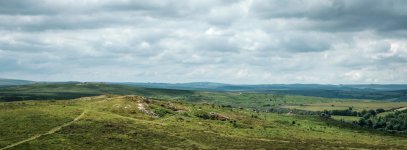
[
  {"x": 390, "y": 92},
  {"x": 86, "y": 115},
  {"x": 10, "y": 82},
  {"x": 136, "y": 122}
]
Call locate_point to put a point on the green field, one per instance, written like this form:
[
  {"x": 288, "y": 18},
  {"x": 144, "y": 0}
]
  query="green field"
[
  {"x": 75, "y": 90},
  {"x": 346, "y": 118},
  {"x": 101, "y": 116},
  {"x": 115, "y": 122},
  {"x": 356, "y": 105}
]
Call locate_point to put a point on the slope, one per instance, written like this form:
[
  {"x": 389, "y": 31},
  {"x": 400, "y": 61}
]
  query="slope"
[{"x": 116, "y": 122}]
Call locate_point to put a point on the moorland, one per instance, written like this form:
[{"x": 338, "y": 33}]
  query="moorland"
[{"x": 86, "y": 115}]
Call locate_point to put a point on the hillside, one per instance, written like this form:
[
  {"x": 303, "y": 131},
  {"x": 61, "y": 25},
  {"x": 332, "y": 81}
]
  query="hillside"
[
  {"x": 135, "y": 122},
  {"x": 254, "y": 100},
  {"x": 211, "y": 86},
  {"x": 389, "y": 92},
  {"x": 70, "y": 90},
  {"x": 9, "y": 82}
]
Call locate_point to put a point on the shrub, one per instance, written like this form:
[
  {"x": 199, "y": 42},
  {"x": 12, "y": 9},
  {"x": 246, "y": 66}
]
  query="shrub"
[
  {"x": 380, "y": 110},
  {"x": 202, "y": 114},
  {"x": 161, "y": 112}
]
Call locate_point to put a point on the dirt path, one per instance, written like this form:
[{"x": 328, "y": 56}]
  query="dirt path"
[{"x": 52, "y": 131}]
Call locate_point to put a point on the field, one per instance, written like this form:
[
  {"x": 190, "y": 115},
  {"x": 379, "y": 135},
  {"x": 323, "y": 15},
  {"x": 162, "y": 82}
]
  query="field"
[
  {"x": 75, "y": 90},
  {"x": 105, "y": 116},
  {"x": 356, "y": 105},
  {"x": 262, "y": 101},
  {"x": 115, "y": 122},
  {"x": 346, "y": 118}
]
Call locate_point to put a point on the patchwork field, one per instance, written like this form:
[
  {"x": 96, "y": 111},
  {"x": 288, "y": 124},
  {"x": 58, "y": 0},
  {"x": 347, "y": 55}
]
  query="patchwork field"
[
  {"x": 356, "y": 105},
  {"x": 163, "y": 119}
]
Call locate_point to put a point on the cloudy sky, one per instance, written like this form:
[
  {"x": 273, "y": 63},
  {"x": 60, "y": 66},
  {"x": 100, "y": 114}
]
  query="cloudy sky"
[{"x": 229, "y": 41}]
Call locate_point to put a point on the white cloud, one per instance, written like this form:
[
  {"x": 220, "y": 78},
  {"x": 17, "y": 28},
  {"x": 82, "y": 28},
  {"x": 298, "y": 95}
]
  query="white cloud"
[{"x": 246, "y": 41}]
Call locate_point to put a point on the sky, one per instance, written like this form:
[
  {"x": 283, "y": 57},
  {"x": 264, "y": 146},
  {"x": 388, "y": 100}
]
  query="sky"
[{"x": 227, "y": 41}]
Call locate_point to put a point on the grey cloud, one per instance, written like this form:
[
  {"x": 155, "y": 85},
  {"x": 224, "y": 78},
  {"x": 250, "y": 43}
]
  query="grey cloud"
[
  {"x": 241, "y": 41},
  {"x": 65, "y": 15},
  {"x": 22, "y": 7},
  {"x": 215, "y": 44},
  {"x": 306, "y": 43},
  {"x": 340, "y": 15}
]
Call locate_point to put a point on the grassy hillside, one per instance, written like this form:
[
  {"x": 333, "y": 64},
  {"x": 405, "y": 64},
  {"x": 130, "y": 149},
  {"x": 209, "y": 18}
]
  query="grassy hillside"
[
  {"x": 395, "y": 95},
  {"x": 70, "y": 90},
  {"x": 211, "y": 86},
  {"x": 390, "y": 92},
  {"x": 356, "y": 105},
  {"x": 9, "y": 82},
  {"x": 134, "y": 122},
  {"x": 259, "y": 101},
  {"x": 58, "y": 91}
]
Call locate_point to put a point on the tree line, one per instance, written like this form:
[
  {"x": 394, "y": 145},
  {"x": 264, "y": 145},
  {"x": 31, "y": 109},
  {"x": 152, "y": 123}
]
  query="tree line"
[{"x": 394, "y": 122}]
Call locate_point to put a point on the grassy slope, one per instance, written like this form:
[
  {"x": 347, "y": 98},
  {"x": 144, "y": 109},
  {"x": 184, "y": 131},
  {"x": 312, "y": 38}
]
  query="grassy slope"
[
  {"x": 75, "y": 90},
  {"x": 58, "y": 91},
  {"x": 346, "y": 118},
  {"x": 116, "y": 123},
  {"x": 356, "y": 105},
  {"x": 8, "y": 82},
  {"x": 21, "y": 120},
  {"x": 261, "y": 101}
]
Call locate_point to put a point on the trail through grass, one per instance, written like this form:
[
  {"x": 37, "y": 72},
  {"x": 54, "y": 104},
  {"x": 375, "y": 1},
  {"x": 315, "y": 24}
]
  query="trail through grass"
[
  {"x": 116, "y": 122},
  {"x": 52, "y": 131}
]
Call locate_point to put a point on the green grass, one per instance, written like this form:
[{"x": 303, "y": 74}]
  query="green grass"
[
  {"x": 262, "y": 101},
  {"x": 259, "y": 101},
  {"x": 356, "y": 105},
  {"x": 76, "y": 90},
  {"x": 114, "y": 122},
  {"x": 24, "y": 119},
  {"x": 55, "y": 91},
  {"x": 346, "y": 118}
]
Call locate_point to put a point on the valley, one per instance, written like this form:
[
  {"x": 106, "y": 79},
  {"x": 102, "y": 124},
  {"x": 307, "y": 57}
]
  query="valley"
[{"x": 126, "y": 117}]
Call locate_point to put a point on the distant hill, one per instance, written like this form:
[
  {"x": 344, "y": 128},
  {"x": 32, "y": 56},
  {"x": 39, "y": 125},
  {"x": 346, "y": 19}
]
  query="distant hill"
[
  {"x": 135, "y": 122},
  {"x": 211, "y": 86},
  {"x": 21, "y": 90},
  {"x": 390, "y": 92},
  {"x": 6, "y": 82},
  {"x": 70, "y": 90}
]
